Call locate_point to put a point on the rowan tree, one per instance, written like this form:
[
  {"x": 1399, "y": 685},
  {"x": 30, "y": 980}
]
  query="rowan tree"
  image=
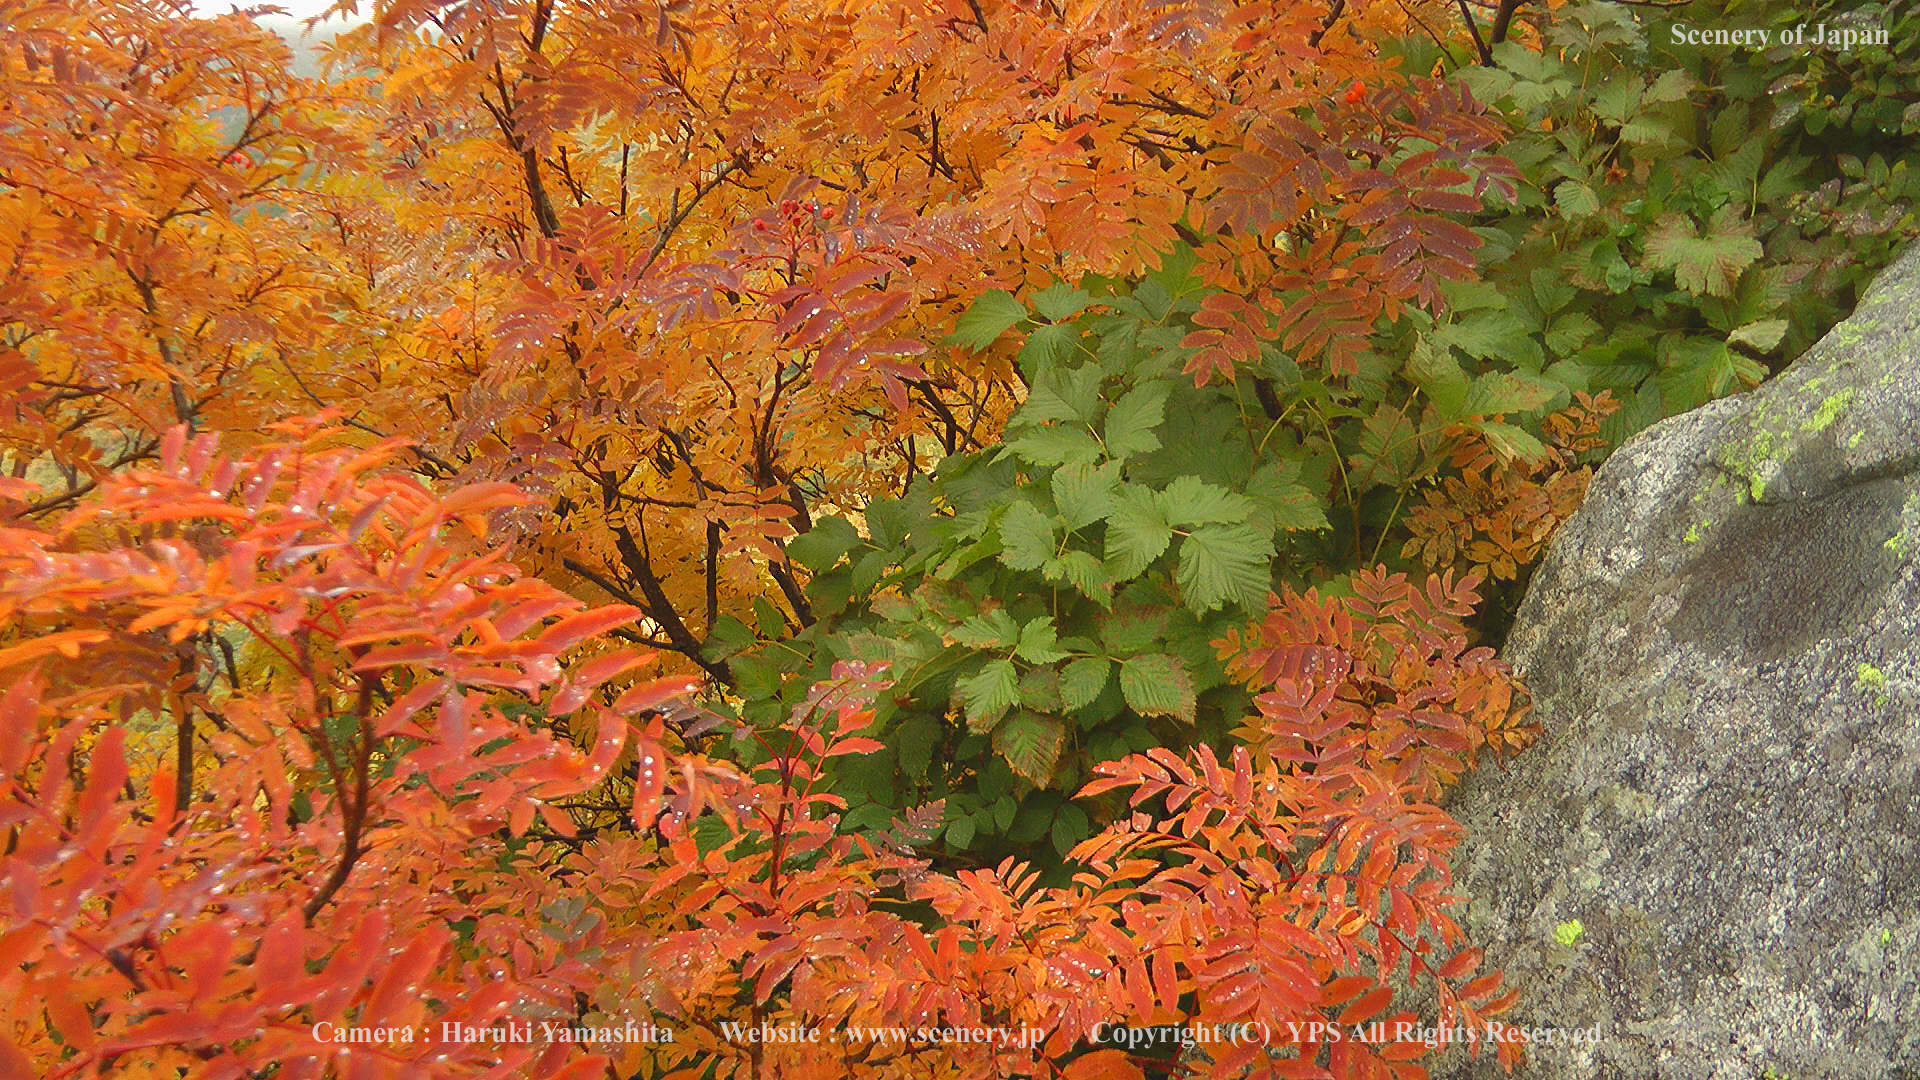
[{"x": 711, "y": 253}]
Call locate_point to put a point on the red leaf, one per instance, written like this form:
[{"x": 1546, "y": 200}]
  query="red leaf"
[
  {"x": 1342, "y": 990},
  {"x": 1370, "y": 1005},
  {"x": 575, "y": 629}
]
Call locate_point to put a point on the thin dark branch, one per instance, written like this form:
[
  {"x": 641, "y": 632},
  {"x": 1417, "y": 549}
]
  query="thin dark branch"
[
  {"x": 1326, "y": 24},
  {"x": 1479, "y": 44},
  {"x": 1503, "y": 20}
]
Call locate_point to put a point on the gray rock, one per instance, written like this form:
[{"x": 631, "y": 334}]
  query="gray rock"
[{"x": 1724, "y": 647}]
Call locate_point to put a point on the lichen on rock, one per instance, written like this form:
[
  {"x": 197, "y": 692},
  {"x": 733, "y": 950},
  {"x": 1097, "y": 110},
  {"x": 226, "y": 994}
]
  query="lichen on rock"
[{"x": 1725, "y": 801}]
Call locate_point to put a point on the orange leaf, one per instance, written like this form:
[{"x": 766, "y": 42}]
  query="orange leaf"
[
  {"x": 575, "y": 629},
  {"x": 1369, "y": 1005}
]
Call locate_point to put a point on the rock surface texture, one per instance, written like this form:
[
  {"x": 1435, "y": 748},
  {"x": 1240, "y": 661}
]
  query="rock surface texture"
[{"x": 1724, "y": 647}]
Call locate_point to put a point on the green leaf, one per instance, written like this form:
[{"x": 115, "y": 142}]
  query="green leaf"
[
  {"x": 1674, "y": 84},
  {"x": 990, "y": 316},
  {"x": 1222, "y": 564},
  {"x": 1190, "y": 500},
  {"x": 1575, "y": 200},
  {"x": 1048, "y": 345},
  {"x": 1175, "y": 273},
  {"x": 1003, "y": 810},
  {"x": 1037, "y": 642},
  {"x": 1132, "y": 420},
  {"x": 1060, "y": 303},
  {"x": 823, "y": 545},
  {"x": 1283, "y": 502},
  {"x": 1616, "y": 100},
  {"x": 1157, "y": 685},
  {"x": 1512, "y": 443},
  {"x": 1031, "y": 743},
  {"x": 1062, "y": 444},
  {"x": 772, "y": 624},
  {"x": 1082, "y": 680},
  {"x": 1709, "y": 264},
  {"x": 1088, "y": 575},
  {"x": 960, "y": 834},
  {"x": 1570, "y": 331},
  {"x": 868, "y": 569},
  {"x": 1505, "y": 392},
  {"x": 1133, "y": 629},
  {"x": 989, "y": 694},
  {"x": 1071, "y": 395},
  {"x": 1084, "y": 493},
  {"x": 1137, "y": 532},
  {"x": 1653, "y": 130},
  {"x": 1040, "y": 690},
  {"x": 1026, "y": 537},
  {"x": 1432, "y": 368},
  {"x": 990, "y": 630},
  {"x": 890, "y": 520},
  {"x": 1551, "y": 292},
  {"x": 1070, "y": 827},
  {"x": 1761, "y": 336},
  {"x": 1490, "y": 335},
  {"x": 914, "y": 739}
]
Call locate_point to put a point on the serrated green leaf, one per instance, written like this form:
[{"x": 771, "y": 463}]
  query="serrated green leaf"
[
  {"x": 1026, "y": 537},
  {"x": 823, "y": 545},
  {"x": 1653, "y": 130},
  {"x": 1040, "y": 690},
  {"x": 1060, "y": 303},
  {"x": 1709, "y": 264},
  {"x": 1551, "y": 292},
  {"x": 1489, "y": 335},
  {"x": 1282, "y": 501},
  {"x": 1506, "y": 392},
  {"x": 1067, "y": 394},
  {"x": 1048, "y": 345},
  {"x": 1131, "y": 422},
  {"x": 1190, "y": 500},
  {"x": 1575, "y": 200},
  {"x": 993, "y": 314},
  {"x": 1761, "y": 336},
  {"x": 1222, "y": 564},
  {"x": 1132, "y": 629},
  {"x": 1137, "y": 532},
  {"x": 1570, "y": 331},
  {"x": 1086, "y": 573},
  {"x": 1512, "y": 443},
  {"x": 1031, "y": 744},
  {"x": 768, "y": 618},
  {"x": 1084, "y": 493},
  {"x": 987, "y": 695},
  {"x": 1157, "y": 685},
  {"x": 1432, "y": 367},
  {"x": 1175, "y": 272},
  {"x": 1037, "y": 642},
  {"x": 1082, "y": 680},
  {"x": 1391, "y": 445},
  {"x": 1153, "y": 301},
  {"x": 890, "y": 520},
  {"x": 1061, "y": 444},
  {"x": 989, "y": 630},
  {"x": 1674, "y": 84}
]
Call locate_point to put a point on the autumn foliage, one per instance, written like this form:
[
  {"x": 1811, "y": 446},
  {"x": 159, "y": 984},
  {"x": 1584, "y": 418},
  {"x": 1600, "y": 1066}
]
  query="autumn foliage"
[
  {"x": 486, "y": 529},
  {"x": 352, "y": 830}
]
